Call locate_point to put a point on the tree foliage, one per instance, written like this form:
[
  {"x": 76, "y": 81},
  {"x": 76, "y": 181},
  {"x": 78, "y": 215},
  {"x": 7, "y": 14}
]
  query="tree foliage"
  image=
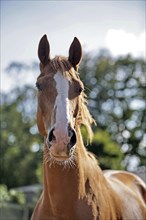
[
  {"x": 106, "y": 150},
  {"x": 12, "y": 196},
  {"x": 20, "y": 144},
  {"x": 117, "y": 94}
]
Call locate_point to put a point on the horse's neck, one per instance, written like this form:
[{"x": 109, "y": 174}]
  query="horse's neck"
[
  {"x": 59, "y": 198},
  {"x": 71, "y": 185},
  {"x": 59, "y": 180}
]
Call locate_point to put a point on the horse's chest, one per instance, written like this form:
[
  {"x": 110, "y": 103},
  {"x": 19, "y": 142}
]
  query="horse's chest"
[{"x": 71, "y": 209}]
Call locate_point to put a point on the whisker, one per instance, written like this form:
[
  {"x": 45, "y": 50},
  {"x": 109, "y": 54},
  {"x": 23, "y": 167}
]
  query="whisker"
[{"x": 69, "y": 163}]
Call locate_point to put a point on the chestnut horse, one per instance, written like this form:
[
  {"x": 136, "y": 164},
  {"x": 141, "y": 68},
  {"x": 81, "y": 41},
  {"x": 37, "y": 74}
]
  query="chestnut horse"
[{"x": 75, "y": 188}]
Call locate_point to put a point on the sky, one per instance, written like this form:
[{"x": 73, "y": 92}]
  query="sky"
[{"x": 116, "y": 25}]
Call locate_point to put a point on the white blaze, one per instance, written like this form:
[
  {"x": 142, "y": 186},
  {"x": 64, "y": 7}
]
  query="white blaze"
[{"x": 62, "y": 109}]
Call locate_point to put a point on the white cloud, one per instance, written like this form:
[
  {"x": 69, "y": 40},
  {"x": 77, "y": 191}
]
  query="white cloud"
[{"x": 120, "y": 42}]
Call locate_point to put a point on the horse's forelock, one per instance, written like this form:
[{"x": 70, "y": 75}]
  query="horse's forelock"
[{"x": 60, "y": 63}]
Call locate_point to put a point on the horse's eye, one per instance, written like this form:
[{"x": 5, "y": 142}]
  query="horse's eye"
[
  {"x": 39, "y": 87},
  {"x": 78, "y": 87},
  {"x": 79, "y": 90}
]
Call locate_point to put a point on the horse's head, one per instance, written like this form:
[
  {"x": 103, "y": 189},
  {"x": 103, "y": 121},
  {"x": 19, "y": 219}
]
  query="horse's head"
[{"x": 59, "y": 88}]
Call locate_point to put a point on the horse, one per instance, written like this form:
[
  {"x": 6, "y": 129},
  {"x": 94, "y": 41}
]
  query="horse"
[{"x": 74, "y": 186}]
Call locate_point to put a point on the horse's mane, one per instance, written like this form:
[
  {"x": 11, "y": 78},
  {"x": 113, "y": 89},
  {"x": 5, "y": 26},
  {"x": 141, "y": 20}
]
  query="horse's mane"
[{"x": 92, "y": 183}]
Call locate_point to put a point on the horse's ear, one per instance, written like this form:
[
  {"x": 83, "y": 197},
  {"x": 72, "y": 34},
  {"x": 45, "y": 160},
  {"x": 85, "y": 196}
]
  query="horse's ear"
[
  {"x": 44, "y": 50},
  {"x": 75, "y": 53}
]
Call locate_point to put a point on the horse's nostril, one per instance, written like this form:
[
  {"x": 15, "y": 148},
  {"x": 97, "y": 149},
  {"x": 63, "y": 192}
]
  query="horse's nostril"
[
  {"x": 51, "y": 135},
  {"x": 73, "y": 138},
  {"x": 71, "y": 134}
]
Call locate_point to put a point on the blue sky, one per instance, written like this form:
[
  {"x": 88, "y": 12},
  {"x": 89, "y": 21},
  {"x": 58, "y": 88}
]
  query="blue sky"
[{"x": 116, "y": 25}]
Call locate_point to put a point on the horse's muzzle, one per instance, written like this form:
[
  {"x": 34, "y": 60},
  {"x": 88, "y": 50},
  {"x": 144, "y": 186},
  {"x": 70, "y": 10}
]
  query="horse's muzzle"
[{"x": 71, "y": 134}]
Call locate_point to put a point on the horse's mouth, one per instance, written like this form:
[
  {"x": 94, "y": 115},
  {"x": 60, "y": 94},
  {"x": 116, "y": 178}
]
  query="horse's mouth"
[
  {"x": 65, "y": 161},
  {"x": 58, "y": 157}
]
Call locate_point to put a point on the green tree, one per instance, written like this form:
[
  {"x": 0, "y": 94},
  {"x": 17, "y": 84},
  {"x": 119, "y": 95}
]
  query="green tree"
[
  {"x": 116, "y": 92},
  {"x": 106, "y": 150},
  {"x": 21, "y": 146}
]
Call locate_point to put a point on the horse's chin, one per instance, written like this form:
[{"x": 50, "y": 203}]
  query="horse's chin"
[
  {"x": 58, "y": 157},
  {"x": 63, "y": 157}
]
